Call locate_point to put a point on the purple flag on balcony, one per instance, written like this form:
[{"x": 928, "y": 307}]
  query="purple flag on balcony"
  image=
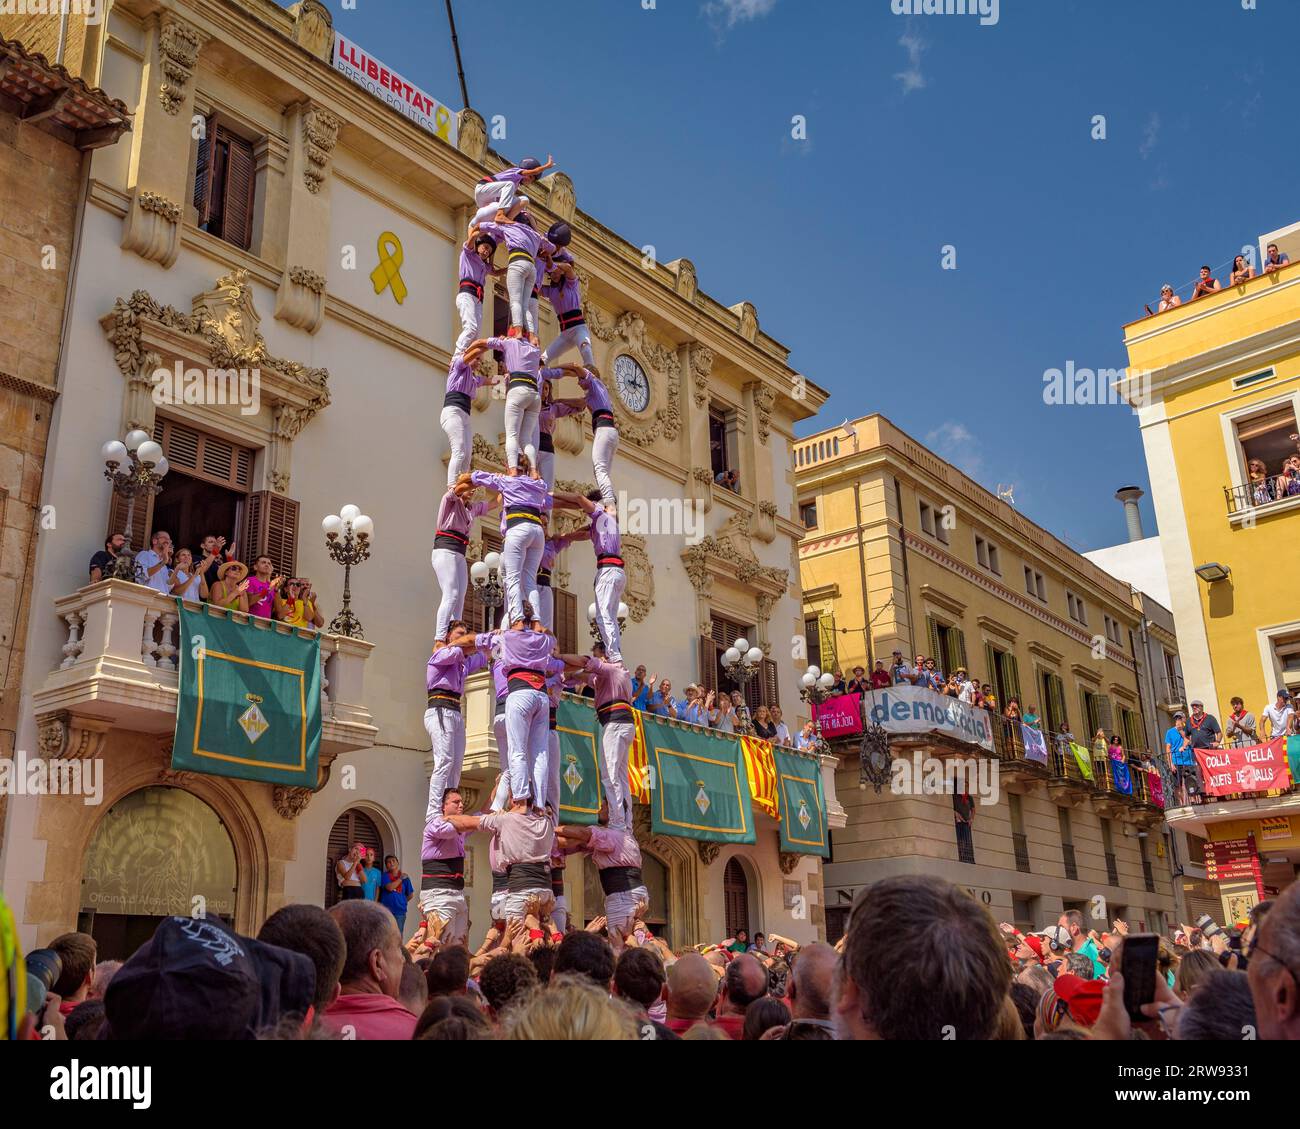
[
  {"x": 1156, "y": 788},
  {"x": 1035, "y": 745},
  {"x": 1120, "y": 774}
]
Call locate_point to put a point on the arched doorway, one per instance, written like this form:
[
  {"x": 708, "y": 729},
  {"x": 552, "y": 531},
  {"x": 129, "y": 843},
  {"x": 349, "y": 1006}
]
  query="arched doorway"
[
  {"x": 735, "y": 898},
  {"x": 353, "y": 826},
  {"x": 158, "y": 851}
]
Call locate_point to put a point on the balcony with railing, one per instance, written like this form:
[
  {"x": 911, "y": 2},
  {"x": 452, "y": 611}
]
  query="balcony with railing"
[
  {"x": 121, "y": 662},
  {"x": 1262, "y": 497},
  {"x": 1173, "y": 695},
  {"x": 1195, "y": 812}
]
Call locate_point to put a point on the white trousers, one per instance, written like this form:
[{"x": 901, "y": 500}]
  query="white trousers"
[
  {"x": 575, "y": 337},
  {"x": 514, "y": 904},
  {"x": 527, "y": 716},
  {"x": 471, "y": 318},
  {"x": 560, "y": 913},
  {"x": 546, "y": 606},
  {"x": 446, "y": 730},
  {"x": 451, "y": 907},
  {"x": 620, "y": 906},
  {"x": 521, "y": 277},
  {"x": 523, "y": 424},
  {"x": 615, "y": 743},
  {"x": 520, "y": 557},
  {"x": 495, "y": 196},
  {"x": 610, "y": 583},
  {"x": 460, "y": 438},
  {"x": 453, "y": 581},
  {"x": 497, "y": 905},
  {"x": 604, "y": 446},
  {"x": 546, "y": 466}
]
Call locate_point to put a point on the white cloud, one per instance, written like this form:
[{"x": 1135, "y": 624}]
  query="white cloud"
[
  {"x": 953, "y": 442},
  {"x": 1150, "y": 136},
  {"x": 912, "y": 78},
  {"x": 728, "y": 13}
]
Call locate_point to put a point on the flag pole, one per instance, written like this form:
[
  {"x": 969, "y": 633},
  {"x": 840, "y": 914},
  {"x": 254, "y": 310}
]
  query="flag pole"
[{"x": 455, "y": 46}]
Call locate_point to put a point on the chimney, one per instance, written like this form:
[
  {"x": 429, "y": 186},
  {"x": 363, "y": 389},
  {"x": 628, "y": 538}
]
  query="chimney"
[{"x": 1129, "y": 495}]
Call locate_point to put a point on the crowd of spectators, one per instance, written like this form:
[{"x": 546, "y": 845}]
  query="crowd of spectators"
[
  {"x": 1242, "y": 271},
  {"x": 217, "y": 577},
  {"x": 921, "y": 959}
]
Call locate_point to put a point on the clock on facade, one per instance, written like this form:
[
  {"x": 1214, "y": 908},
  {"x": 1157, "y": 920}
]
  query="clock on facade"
[{"x": 632, "y": 383}]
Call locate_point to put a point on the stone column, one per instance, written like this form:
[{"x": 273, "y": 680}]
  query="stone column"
[{"x": 313, "y": 134}]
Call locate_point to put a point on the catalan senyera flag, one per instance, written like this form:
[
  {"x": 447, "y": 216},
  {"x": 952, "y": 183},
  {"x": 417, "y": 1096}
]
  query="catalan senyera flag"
[
  {"x": 638, "y": 770},
  {"x": 761, "y": 770}
]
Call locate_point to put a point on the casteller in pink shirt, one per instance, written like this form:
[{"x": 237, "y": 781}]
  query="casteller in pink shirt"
[{"x": 369, "y": 1016}]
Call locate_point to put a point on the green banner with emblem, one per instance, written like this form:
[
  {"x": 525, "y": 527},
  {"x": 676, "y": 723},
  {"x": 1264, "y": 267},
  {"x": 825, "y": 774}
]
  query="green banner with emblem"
[
  {"x": 249, "y": 699},
  {"x": 803, "y": 804},
  {"x": 697, "y": 782},
  {"x": 580, "y": 790}
]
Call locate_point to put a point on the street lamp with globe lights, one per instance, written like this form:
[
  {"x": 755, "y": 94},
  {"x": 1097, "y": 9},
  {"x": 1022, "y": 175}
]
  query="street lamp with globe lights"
[
  {"x": 145, "y": 470},
  {"x": 348, "y": 536},
  {"x": 594, "y": 627},
  {"x": 486, "y": 576},
  {"x": 740, "y": 662},
  {"x": 815, "y": 687}
]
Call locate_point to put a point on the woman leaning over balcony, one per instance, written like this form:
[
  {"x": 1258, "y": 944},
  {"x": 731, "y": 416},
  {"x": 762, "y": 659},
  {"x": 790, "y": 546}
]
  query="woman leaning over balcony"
[
  {"x": 1241, "y": 270},
  {"x": 1288, "y": 482},
  {"x": 1261, "y": 489}
]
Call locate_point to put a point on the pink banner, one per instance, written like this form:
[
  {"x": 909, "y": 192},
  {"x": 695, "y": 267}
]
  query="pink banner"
[
  {"x": 1156, "y": 788},
  {"x": 1256, "y": 768},
  {"x": 840, "y": 716}
]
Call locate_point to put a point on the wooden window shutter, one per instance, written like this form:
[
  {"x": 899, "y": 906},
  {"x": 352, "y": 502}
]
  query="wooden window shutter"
[
  {"x": 271, "y": 527},
  {"x": 1057, "y": 689},
  {"x": 473, "y": 611},
  {"x": 237, "y": 200},
  {"x": 203, "y": 455},
  {"x": 141, "y": 520},
  {"x": 204, "y": 168},
  {"x": 826, "y": 636},
  {"x": 566, "y": 621},
  {"x": 1011, "y": 674},
  {"x": 991, "y": 666},
  {"x": 771, "y": 686},
  {"x": 932, "y": 631},
  {"x": 1105, "y": 714},
  {"x": 708, "y": 663},
  {"x": 959, "y": 637}
]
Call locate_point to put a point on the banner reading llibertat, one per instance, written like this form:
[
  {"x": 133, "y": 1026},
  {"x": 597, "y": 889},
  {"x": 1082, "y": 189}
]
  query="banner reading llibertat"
[{"x": 914, "y": 709}]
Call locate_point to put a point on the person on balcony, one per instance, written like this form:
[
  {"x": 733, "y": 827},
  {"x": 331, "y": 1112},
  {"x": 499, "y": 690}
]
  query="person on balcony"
[
  {"x": 102, "y": 563},
  {"x": 1115, "y": 750},
  {"x": 1288, "y": 482},
  {"x": 299, "y": 606},
  {"x": 989, "y": 698},
  {"x": 899, "y": 671},
  {"x": 763, "y": 726},
  {"x": 1261, "y": 486},
  {"x": 782, "y": 730},
  {"x": 1012, "y": 711},
  {"x": 807, "y": 739},
  {"x": 1281, "y": 715},
  {"x": 858, "y": 684},
  {"x": 1274, "y": 261},
  {"x": 231, "y": 589},
  {"x": 1168, "y": 299},
  {"x": 1241, "y": 729},
  {"x": 1181, "y": 759},
  {"x": 1241, "y": 271},
  {"x": 880, "y": 677},
  {"x": 1032, "y": 719},
  {"x": 969, "y": 688},
  {"x": 1203, "y": 729},
  {"x": 187, "y": 581},
  {"x": 263, "y": 588},
  {"x": 153, "y": 565},
  {"x": 1207, "y": 285}
]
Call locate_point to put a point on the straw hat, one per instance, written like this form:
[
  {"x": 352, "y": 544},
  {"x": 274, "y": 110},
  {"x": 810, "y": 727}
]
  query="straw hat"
[{"x": 238, "y": 567}]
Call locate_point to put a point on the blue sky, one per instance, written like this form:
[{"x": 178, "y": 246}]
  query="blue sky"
[{"x": 922, "y": 132}]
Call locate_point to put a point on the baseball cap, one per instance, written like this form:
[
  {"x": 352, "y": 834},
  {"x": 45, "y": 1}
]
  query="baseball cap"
[
  {"x": 1055, "y": 935},
  {"x": 197, "y": 979},
  {"x": 1082, "y": 998},
  {"x": 1196, "y": 702},
  {"x": 1179, "y": 714},
  {"x": 1035, "y": 942}
]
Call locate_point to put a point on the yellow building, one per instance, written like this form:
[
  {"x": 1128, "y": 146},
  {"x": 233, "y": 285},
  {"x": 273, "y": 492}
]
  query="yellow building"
[
  {"x": 902, "y": 541},
  {"x": 1216, "y": 385}
]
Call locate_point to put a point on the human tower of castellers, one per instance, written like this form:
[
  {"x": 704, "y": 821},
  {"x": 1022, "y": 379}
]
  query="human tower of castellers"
[{"x": 528, "y": 846}]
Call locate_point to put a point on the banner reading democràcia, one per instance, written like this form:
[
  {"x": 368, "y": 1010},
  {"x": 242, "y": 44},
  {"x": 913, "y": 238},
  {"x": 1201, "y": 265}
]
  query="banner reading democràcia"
[
  {"x": 1256, "y": 768},
  {"x": 580, "y": 787},
  {"x": 698, "y": 784},
  {"x": 840, "y": 716},
  {"x": 802, "y": 803},
  {"x": 914, "y": 709},
  {"x": 249, "y": 704},
  {"x": 387, "y": 85}
]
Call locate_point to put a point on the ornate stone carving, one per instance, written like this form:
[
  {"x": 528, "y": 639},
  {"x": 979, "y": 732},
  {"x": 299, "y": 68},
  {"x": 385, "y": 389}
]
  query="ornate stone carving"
[
  {"x": 763, "y": 527},
  {"x": 152, "y": 228},
  {"x": 61, "y": 736},
  {"x": 471, "y": 796},
  {"x": 789, "y": 860},
  {"x": 729, "y": 551},
  {"x": 640, "y": 591},
  {"x": 746, "y": 320},
  {"x": 562, "y": 201},
  {"x": 52, "y": 735},
  {"x": 174, "y": 779},
  {"x": 764, "y": 400},
  {"x": 569, "y": 435},
  {"x": 290, "y": 802},
  {"x": 686, "y": 279},
  {"x": 179, "y": 44},
  {"x": 701, "y": 370},
  {"x": 485, "y": 455},
  {"x": 708, "y": 851},
  {"x": 300, "y": 299},
  {"x": 313, "y": 28},
  {"x": 471, "y": 135},
  {"x": 320, "y": 133},
  {"x": 600, "y": 324},
  {"x": 280, "y": 481}
]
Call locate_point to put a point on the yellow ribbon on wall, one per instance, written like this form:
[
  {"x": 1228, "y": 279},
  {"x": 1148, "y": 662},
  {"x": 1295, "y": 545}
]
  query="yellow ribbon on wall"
[{"x": 389, "y": 271}]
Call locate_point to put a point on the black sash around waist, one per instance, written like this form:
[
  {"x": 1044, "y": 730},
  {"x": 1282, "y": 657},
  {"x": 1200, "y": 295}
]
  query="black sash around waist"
[
  {"x": 543, "y": 578},
  {"x": 601, "y": 419},
  {"x": 572, "y": 318},
  {"x": 450, "y": 539},
  {"x": 444, "y": 700},
  {"x": 522, "y": 255},
  {"x": 443, "y": 874},
  {"x": 455, "y": 399},
  {"x": 521, "y": 876},
  {"x": 518, "y": 515},
  {"x": 557, "y": 881},
  {"x": 469, "y": 286},
  {"x": 620, "y": 879},
  {"x": 521, "y": 380},
  {"x": 498, "y": 881},
  {"x": 547, "y": 442},
  {"x": 521, "y": 678},
  {"x": 618, "y": 710}
]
